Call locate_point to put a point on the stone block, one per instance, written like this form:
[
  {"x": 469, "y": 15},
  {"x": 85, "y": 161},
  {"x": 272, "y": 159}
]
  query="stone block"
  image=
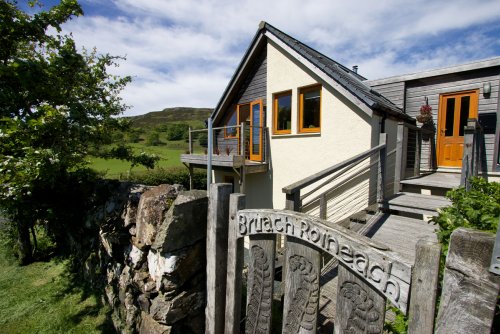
[
  {"x": 150, "y": 326},
  {"x": 185, "y": 222},
  {"x": 129, "y": 214},
  {"x": 183, "y": 305},
  {"x": 151, "y": 211}
]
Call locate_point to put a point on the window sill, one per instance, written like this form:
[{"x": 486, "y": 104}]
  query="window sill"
[{"x": 296, "y": 135}]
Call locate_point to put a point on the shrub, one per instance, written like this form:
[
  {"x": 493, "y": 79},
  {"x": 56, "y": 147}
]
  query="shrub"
[
  {"x": 478, "y": 208},
  {"x": 177, "y": 131}
]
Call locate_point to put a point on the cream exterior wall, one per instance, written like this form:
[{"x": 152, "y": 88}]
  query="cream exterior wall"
[{"x": 345, "y": 129}]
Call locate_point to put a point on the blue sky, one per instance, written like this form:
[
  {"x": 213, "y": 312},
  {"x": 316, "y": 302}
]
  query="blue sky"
[{"x": 183, "y": 52}]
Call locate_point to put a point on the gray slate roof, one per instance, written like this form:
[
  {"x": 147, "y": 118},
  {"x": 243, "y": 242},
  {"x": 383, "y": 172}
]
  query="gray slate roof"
[{"x": 349, "y": 79}]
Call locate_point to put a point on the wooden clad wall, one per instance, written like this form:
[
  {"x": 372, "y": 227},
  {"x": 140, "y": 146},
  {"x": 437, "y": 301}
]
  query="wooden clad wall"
[
  {"x": 394, "y": 91},
  {"x": 418, "y": 90},
  {"x": 253, "y": 87}
]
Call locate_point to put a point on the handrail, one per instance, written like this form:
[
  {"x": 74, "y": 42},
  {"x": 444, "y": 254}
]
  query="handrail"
[{"x": 292, "y": 188}]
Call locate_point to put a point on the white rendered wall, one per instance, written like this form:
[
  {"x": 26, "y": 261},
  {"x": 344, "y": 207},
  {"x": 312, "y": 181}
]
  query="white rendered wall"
[{"x": 345, "y": 129}]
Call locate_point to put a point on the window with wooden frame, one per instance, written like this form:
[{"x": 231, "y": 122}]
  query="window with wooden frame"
[
  {"x": 230, "y": 130},
  {"x": 282, "y": 113},
  {"x": 310, "y": 109}
]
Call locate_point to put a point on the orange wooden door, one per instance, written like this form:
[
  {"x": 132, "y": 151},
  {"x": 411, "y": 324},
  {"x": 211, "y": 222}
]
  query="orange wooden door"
[{"x": 454, "y": 110}]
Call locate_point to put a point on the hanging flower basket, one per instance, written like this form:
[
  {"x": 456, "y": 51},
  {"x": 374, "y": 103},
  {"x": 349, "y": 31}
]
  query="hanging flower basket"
[{"x": 425, "y": 116}]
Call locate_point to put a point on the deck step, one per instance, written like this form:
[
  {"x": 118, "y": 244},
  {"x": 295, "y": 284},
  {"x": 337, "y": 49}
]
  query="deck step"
[
  {"x": 401, "y": 234},
  {"x": 416, "y": 203}
]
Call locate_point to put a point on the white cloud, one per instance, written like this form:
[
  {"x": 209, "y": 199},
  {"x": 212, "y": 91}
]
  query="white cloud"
[{"x": 183, "y": 52}]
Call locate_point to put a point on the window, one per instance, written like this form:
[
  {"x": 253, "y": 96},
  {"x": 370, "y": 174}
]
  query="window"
[
  {"x": 282, "y": 116},
  {"x": 231, "y": 120},
  {"x": 310, "y": 109}
]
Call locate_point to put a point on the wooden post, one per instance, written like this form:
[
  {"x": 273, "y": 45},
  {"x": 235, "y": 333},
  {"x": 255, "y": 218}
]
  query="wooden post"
[
  {"x": 381, "y": 169},
  {"x": 217, "y": 243},
  {"x": 418, "y": 145},
  {"x": 470, "y": 291},
  {"x": 190, "y": 177},
  {"x": 234, "y": 267},
  {"x": 468, "y": 154},
  {"x": 356, "y": 295},
  {"x": 322, "y": 207},
  {"x": 302, "y": 272},
  {"x": 424, "y": 288},
  {"x": 190, "y": 142},
  {"x": 398, "y": 170},
  {"x": 293, "y": 201}
]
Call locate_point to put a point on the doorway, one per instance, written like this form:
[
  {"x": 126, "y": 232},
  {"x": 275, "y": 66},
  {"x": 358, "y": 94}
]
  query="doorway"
[{"x": 454, "y": 110}]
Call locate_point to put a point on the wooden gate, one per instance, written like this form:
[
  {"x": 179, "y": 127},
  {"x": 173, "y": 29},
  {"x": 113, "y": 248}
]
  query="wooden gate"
[{"x": 369, "y": 274}]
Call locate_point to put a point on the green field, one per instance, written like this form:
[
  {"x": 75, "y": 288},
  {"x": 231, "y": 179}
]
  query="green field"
[
  {"x": 170, "y": 156},
  {"x": 40, "y": 298}
]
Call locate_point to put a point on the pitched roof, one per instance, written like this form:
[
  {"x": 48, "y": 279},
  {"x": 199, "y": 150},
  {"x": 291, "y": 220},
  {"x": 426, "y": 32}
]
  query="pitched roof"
[{"x": 349, "y": 80}]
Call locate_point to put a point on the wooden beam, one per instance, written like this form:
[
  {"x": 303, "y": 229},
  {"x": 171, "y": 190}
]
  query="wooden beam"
[
  {"x": 234, "y": 267},
  {"x": 424, "y": 289},
  {"x": 398, "y": 169},
  {"x": 217, "y": 247}
]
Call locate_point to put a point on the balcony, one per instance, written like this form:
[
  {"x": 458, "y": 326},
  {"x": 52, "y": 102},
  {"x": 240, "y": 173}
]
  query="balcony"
[{"x": 237, "y": 147}]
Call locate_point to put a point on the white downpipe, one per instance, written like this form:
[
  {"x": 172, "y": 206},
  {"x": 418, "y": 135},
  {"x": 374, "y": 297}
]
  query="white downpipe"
[{"x": 210, "y": 150}]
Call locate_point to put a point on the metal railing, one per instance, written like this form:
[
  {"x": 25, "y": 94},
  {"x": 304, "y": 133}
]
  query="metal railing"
[
  {"x": 234, "y": 140},
  {"x": 342, "y": 188}
]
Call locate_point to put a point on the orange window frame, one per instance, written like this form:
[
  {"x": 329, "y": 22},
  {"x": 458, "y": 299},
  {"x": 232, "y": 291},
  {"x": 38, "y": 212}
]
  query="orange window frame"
[
  {"x": 275, "y": 113},
  {"x": 301, "y": 109}
]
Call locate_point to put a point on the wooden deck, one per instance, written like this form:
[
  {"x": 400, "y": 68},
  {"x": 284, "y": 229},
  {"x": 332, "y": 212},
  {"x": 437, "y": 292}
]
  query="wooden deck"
[
  {"x": 221, "y": 160},
  {"x": 435, "y": 180},
  {"x": 416, "y": 203}
]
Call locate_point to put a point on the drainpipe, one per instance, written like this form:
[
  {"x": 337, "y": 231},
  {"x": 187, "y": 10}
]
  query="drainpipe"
[
  {"x": 382, "y": 123},
  {"x": 210, "y": 150}
]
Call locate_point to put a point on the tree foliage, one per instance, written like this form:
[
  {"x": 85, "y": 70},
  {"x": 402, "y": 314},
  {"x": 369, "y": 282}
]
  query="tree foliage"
[{"x": 56, "y": 103}]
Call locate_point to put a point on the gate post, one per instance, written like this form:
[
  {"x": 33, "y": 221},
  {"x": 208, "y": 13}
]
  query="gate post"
[
  {"x": 470, "y": 291},
  {"x": 424, "y": 287},
  {"x": 217, "y": 235}
]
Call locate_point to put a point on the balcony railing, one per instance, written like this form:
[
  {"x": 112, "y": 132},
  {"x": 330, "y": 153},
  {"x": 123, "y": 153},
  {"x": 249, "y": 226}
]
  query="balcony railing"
[{"x": 233, "y": 146}]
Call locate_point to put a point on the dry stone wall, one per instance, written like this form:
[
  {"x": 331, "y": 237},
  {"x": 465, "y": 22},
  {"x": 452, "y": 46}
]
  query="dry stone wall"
[{"x": 152, "y": 254}]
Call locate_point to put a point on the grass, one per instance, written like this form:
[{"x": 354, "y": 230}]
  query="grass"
[
  {"x": 170, "y": 156},
  {"x": 40, "y": 298}
]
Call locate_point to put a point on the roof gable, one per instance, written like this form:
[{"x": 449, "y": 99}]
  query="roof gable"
[{"x": 346, "y": 81}]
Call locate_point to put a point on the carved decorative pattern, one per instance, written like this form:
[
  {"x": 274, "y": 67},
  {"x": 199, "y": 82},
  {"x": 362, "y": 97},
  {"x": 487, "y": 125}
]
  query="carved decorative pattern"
[
  {"x": 259, "y": 304},
  {"x": 304, "y": 301},
  {"x": 363, "y": 317}
]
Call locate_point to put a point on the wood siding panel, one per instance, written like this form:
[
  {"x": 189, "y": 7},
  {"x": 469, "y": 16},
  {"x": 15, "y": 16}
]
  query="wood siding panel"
[
  {"x": 393, "y": 91},
  {"x": 254, "y": 85},
  {"x": 431, "y": 88}
]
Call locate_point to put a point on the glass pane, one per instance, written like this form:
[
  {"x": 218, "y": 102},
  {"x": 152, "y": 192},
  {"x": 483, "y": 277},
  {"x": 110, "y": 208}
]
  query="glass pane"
[
  {"x": 311, "y": 109},
  {"x": 464, "y": 113},
  {"x": 256, "y": 129},
  {"x": 231, "y": 121},
  {"x": 244, "y": 113},
  {"x": 284, "y": 109},
  {"x": 450, "y": 116}
]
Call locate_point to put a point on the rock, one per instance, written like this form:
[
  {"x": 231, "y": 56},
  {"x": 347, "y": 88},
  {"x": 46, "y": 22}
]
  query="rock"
[
  {"x": 136, "y": 257},
  {"x": 129, "y": 214},
  {"x": 131, "y": 311},
  {"x": 189, "y": 261},
  {"x": 144, "y": 302},
  {"x": 151, "y": 210},
  {"x": 171, "y": 311},
  {"x": 188, "y": 213},
  {"x": 150, "y": 326}
]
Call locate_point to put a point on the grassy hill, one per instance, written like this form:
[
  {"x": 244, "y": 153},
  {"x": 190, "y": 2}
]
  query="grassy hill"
[{"x": 193, "y": 116}]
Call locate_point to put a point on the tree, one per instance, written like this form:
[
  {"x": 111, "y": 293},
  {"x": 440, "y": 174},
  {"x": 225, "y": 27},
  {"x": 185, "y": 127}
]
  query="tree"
[
  {"x": 177, "y": 131},
  {"x": 55, "y": 104},
  {"x": 153, "y": 138}
]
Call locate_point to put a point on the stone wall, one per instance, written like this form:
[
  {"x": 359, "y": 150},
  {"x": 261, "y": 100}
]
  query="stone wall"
[{"x": 151, "y": 250}]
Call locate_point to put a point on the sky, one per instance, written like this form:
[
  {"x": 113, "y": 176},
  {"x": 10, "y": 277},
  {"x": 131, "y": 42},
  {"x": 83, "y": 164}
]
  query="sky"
[{"x": 182, "y": 53}]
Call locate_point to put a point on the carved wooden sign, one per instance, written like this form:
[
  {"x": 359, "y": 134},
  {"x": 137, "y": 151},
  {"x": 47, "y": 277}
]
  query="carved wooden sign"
[{"x": 384, "y": 270}]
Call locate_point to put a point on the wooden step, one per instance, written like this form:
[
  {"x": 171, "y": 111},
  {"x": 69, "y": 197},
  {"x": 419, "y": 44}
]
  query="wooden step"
[
  {"x": 401, "y": 234},
  {"x": 416, "y": 203},
  {"x": 434, "y": 181}
]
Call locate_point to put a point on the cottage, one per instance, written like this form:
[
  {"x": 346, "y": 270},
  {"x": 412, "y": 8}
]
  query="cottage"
[{"x": 289, "y": 112}]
